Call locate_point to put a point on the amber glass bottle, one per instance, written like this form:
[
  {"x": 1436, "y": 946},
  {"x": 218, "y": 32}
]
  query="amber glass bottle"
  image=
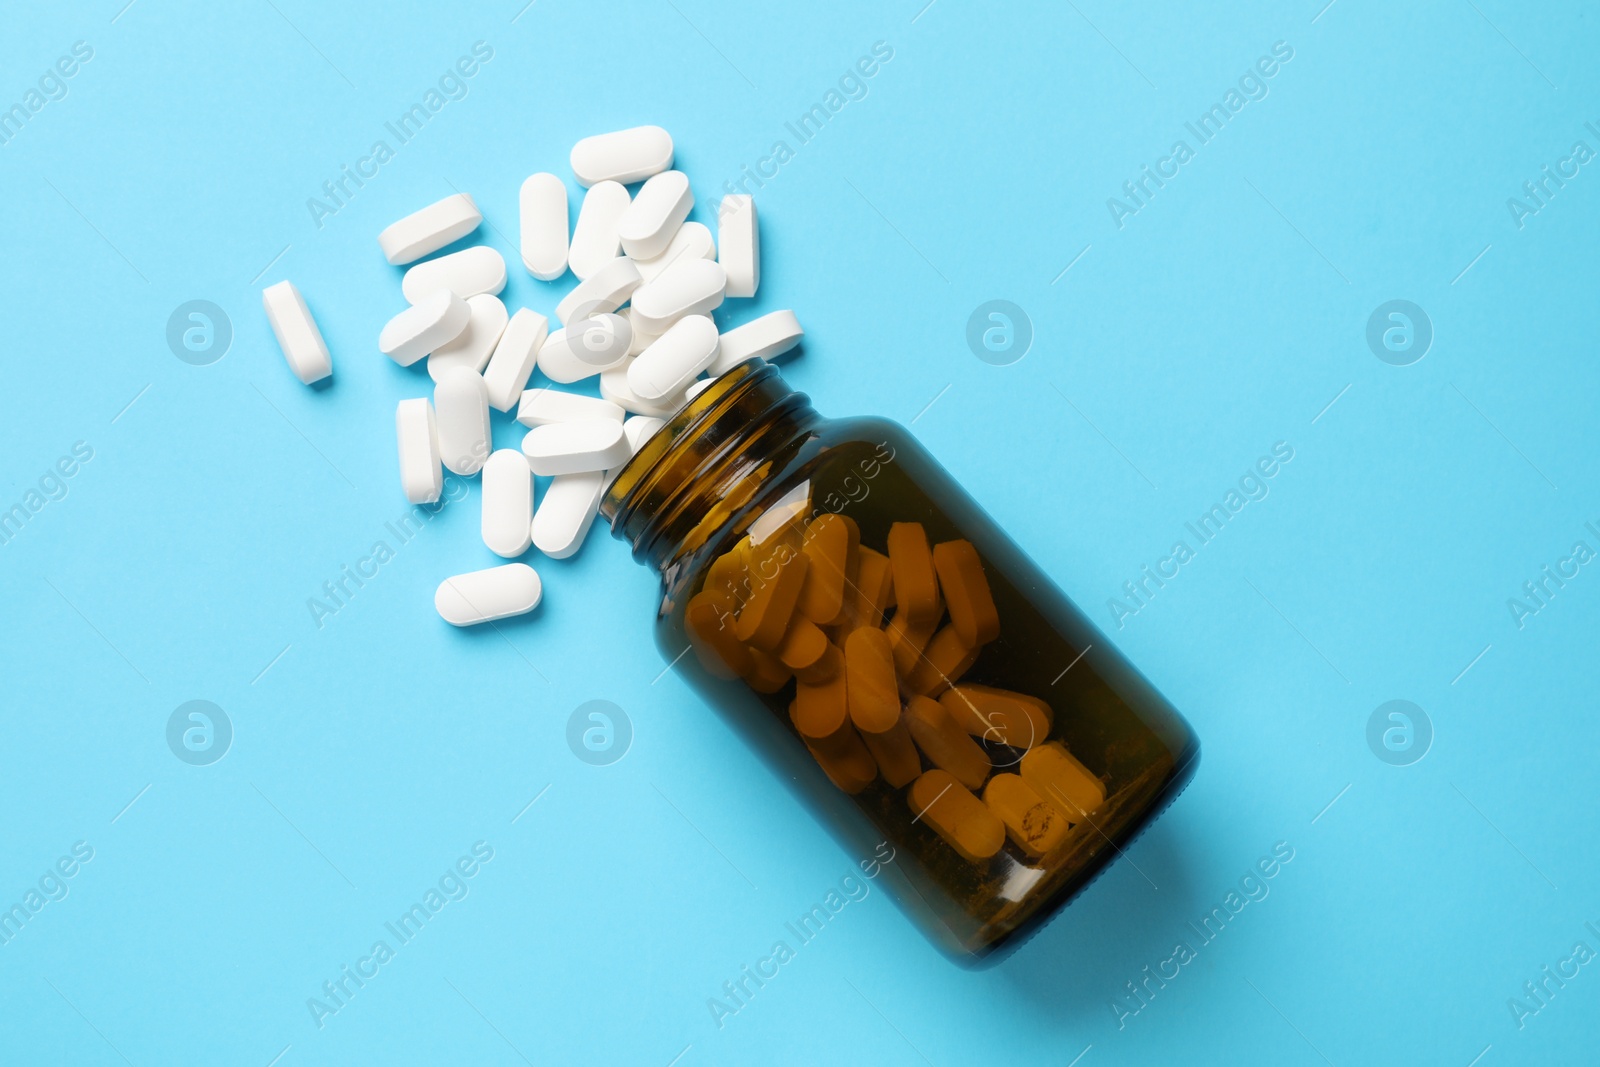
[{"x": 891, "y": 654}]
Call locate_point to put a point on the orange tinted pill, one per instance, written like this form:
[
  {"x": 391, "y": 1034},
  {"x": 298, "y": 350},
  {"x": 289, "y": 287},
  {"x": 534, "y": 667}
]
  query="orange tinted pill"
[
  {"x": 966, "y": 824},
  {"x": 767, "y": 672},
  {"x": 821, "y": 708},
  {"x": 895, "y": 753},
  {"x": 916, "y": 585},
  {"x": 873, "y": 692},
  {"x": 841, "y": 755},
  {"x": 708, "y": 619},
  {"x": 803, "y": 644},
  {"x": 765, "y": 616},
  {"x": 946, "y": 658},
  {"x": 966, "y": 592},
  {"x": 945, "y": 743},
  {"x": 1036, "y": 827},
  {"x": 874, "y": 587},
  {"x": 998, "y": 714},
  {"x": 825, "y": 669},
  {"x": 831, "y": 543},
  {"x": 907, "y": 640},
  {"x": 1058, "y": 777}
]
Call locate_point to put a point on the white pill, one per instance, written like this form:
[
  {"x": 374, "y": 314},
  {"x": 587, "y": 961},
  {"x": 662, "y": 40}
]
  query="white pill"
[
  {"x": 543, "y": 201},
  {"x": 544, "y": 407},
  {"x": 461, "y": 407},
  {"x": 420, "y": 475},
  {"x": 624, "y": 156},
  {"x": 692, "y": 241},
  {"x": 641, "y": 339},
  {"x": 639, "y": 429},
  {"x": 739, "y": 238},
  {"x": 472, "y": 348},
  {"x": 560, "y": 364},
  {"x": 604, "y": 291},
  {"x": 652, "y": 220},
  {"x": 430, "y": 229},
  {"x": 487, "y": 595},
  {"x": 575, "y": 447},
  {"x": 768, "y": 337},
  {"x": 421, "y": 328},
  {"x": 697, "y": 388},
  {"x": 667, "y": 367},
  {"x": 687, "y": 287},
  {"x": 514, "y": 358},
  {"x": 297, "y": 332},
  {"x": 601, "y": 341},
  {"x": 594, "y": 238},
  {"x": 507, "y": 503},
  {"x": 614, "y": 387},
  {"x": 566, "y": 512},
  {"x": 466, "y": 273}
]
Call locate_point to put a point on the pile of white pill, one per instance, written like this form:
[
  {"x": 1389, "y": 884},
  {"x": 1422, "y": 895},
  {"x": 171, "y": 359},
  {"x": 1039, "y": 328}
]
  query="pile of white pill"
[{"x": 639, "y": 320}]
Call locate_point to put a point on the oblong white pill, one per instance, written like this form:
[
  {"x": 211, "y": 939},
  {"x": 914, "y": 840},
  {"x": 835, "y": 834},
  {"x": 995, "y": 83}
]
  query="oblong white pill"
[
  {"x": 421, "y": 328},
  {"x": 602, "y": 292},
  {"x": 768, "y": 337},
  {"x": 543, "y": 202},
  {"x": 739, "y": 241},
  {"x": 575, "y": 447},
  {"x": 640, "y": 428},
  {"x": 687, "y": 287},
  {"x": 297, "y": 332},
  {"x": 614, "y": 387},
  {"x": 430, "y": 229},
  {"x": 692, "y": 241},
  {"x": 623, "y": 156},
  {"x": 602, "y": 341},
  {"x": 420, "y": 475},
  {"x": 566, "y": 512},
  {"x": 466, "y": 273},
  {"x": 652, "y": 220},
  {"x": 486, "y": 323},
  {"x": 461, "y": 408},
  {"x": 696, "y": 388},
  {"x": 667, "y": 367},
  {"x": 560, "y": 364},
  {"x": 507, "y": 503},
  {"x": 514, "y": 358},
  {"x": 594, "y": 238},
  {"x": 544, "y": 407},
  {"x": 487, "y": 595}
]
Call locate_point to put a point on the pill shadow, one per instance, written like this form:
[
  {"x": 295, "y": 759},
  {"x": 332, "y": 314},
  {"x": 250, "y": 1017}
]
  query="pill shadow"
[{"x": 1072, "y": 968}]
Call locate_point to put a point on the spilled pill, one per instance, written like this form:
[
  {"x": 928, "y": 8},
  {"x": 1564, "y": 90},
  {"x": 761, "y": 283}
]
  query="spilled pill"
[
  {"x": 607, "y": 289},
  {"x": 624, "y": 156},
  {"x": 692, "y": 241},
  {"x": 655, "y": 214},
  {"x": 466, "y": 273},
  {"x": 768, "y": 337},
  {"x": 514, "y": 358},
  {"x": 687, "y": 287},
  {"x": 435, "y": 226},
  {"x": 639, "y": 429},
  {"x": 297, "y": 332},
  {"x": 614, "y": 387},
  {"x": 566, "y": 511},
  {"x": 543, "y": 204},
  {"x": 461, "y": 410},
  {"x": 487, "y": 595},
  {"x": 507, "y": 503},
  {"x": 421, "y": 328},
  {"x": 575, "y": 447},
  {"x": 420, "y": 475},
  {"x": 486, "y": 322},
  {"x": 594, "y": 237},
  {"x": 676, "y": 358},
  {"x": 601, "y": 341},
  {"x": 739, "y": 244},
  {"x": 542, "y": 407},
  {"x": 559, "y": 363}
]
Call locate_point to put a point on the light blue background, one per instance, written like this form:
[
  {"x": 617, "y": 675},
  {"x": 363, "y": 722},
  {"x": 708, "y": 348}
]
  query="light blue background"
[{"x": 1225, "y": 316}]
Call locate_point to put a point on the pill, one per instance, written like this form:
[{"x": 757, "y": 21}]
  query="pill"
[
  {"x": 767, "y": 338},
  {"x": 507, "y": 503},
  {"x": 600, "y": 341},
  {"x": 708, "y": 620},
  {"x": 652, "y": 219},
  {"x": 874, "y": 590},
  {"x": 543, "y": 407},
  {"x": 821, "y": 708},
  {"x": 575, "y": 447},
  {"x": 565, "y": 513},
  {"x": 1036, "y": 827},
  {"x": 966, "y": 592},
  {"x": 472, "y": 347},
  {"x": 739, "y": 239},
  {"x": 441, "y": 223},
  {"x": 687, "y": 287},
  {"x": 765, "y": 616},
  {"x": 769, "y": 674},
  {"x": 594, "y": 236},
  {"x": 543, "y": 203},
  {"x": 869, "y": 666},
  {"x": 420, "y": 475},
  {"x": 639, "y": 429},
  {"x": 692, "y": 241},
  {"x": 844, "y": 759},
  {"x": 965, "y": 822},
  {"x": 916, "y": 586},
  {"x": 1058, "y": 777},
  {"x": 465, "y": 273},
  {"x": 998, "y": 715},
  {"x": 297, "y": 332},
  {"x": 945, "y": 659},
  {"x": 696, "y": 388},
  {"x": 895, "y": 754},
  {"x": 677, "y": 357},
  {"x": 945, "y": 743},
  {"x": 804, "y": 650},
  {"x": 559, "y": 363},
  {"x": 624, "y": 156},
  {"x": 614, "y": 387},
  {"x": 727, "y": 573},
  {"x": 607, "y": 289},
  {"x": 641, "y": 339},
  {"x": 487, "y": 595},
  {"x": 461, "y": 410},
  {"x": 832, "y": 542},
  {"x": 907, "y": 640},
  {"x": 421, "y": 328},
  {"x": 514, "y": 358}
]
